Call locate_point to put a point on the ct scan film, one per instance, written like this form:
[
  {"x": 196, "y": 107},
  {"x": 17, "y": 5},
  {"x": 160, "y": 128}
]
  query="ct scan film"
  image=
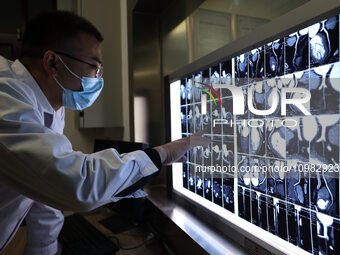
[{"x": 273, "y": 117}]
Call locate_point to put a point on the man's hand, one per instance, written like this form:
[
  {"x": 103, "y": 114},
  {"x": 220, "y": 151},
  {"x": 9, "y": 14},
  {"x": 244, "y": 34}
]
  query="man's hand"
[{"x": 175, "y": 151}]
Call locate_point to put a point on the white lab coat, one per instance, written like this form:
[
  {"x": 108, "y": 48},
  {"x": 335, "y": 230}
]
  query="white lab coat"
[{"x": 39, "y": 170}]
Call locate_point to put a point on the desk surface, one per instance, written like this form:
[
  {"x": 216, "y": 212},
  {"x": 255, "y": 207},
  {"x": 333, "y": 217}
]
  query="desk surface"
[
  {"x": 203, "y": 234},
  {"x": 129, "y": 238}
]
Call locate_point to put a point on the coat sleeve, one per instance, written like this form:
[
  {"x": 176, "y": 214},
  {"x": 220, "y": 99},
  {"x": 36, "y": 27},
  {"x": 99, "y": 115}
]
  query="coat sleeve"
[{"x": 42, "y": 165}]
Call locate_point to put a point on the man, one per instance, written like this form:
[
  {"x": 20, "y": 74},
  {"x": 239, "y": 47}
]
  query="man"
[{"x": 40, "y": 174}]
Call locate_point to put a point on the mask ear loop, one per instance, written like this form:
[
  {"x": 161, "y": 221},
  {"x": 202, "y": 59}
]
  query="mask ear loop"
[
  {"x": 69, "y": 68},
  {"x": 58, "y": 83}
]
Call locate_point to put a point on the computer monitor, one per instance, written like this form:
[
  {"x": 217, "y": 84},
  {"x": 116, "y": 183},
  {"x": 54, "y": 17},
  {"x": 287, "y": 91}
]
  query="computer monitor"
[{"x": 272, "y": 112}]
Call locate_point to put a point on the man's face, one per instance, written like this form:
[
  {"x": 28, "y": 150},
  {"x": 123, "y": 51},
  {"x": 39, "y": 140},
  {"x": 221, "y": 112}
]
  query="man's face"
[{"x": 85, "y": 48}]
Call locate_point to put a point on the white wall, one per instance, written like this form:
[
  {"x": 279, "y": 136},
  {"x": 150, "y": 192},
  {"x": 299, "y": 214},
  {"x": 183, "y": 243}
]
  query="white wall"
[
  {"x": 266, "y": 9},
  {"x": 115, "y": 65}
]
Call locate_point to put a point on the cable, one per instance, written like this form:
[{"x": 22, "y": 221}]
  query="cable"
[
  {"x": 136, "y": 247},
  {"x": 148, "y": 238}
]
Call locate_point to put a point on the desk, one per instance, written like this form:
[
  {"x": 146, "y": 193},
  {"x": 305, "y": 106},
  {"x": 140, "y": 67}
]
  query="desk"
[
  {"x": 129, "y": 238},
  {"x": 207, "y": 237}
]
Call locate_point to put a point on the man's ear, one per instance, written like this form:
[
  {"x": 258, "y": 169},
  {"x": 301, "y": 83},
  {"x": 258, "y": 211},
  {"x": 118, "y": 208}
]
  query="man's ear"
[{"x": 49, "y": 62}]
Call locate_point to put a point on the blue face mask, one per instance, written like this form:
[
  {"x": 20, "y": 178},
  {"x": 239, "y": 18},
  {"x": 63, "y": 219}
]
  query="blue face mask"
[{"x": 79, "y": 100}]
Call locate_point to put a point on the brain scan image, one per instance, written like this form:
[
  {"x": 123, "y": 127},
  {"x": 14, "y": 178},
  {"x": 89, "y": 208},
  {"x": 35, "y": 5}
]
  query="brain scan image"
[
  {"x": 183, "y": 93},
  {"x": 277, "y": 213},
  {"x": 206, "y": 77},
  {"x": 199, "y": 183},
  {"x": 258, "y": 181},
  {"x": 244, "y": 203},
  {"x": 270, "y": 87},
  {"x": 195, "y": 114},
  {"x": 323, "y": 194},
  {"x": 258, "y": 209},
  {"x": 215, "y": 76},
  {"x": 276, "y": 139},
  {"x": 258, "y": 177},
  {"x": 184, "y": 117},
  {"x": 324, "y": 42},
  {"x": 228, "y": 152},
  {"x": 298, "y": 185},
  {"x": 241, "y": 69},
  {"x": 274, "y": 54},
  {"x": 297, "y": 141},
  {"x": 199, "y": 153},
  {"x": 325, "y": 88},
  {"x": 217, "y": 192},
  {"x": 325, "y": 232},
  {"x": 227, "y": 115},
  {"x": 256, "y": 64},
  {"x": 275, "y": 185},
  {"x": 276, "y": 179},
  {"x": 244, "y": 174},
  {"x": 207, "y": 186},
  {"x": 185, "y": 175},
  {"x": 246, "y": 114},
  {"x": 296, "y": 49},
  {"x": 299, "y": 227},
  {"x": 191, "y": 118},
  {"x": 205, "y": 120},
  {"x": 323, "y": 133},
  {"x": 259, "y": 90},
  {"x": 298, "y": 80},
  {"x": 196, "y": 87},
  {"x": 191, "y": 178},
  {"x": 216, "y": 113},
  {"x": 188, "y": 90},
  {"x": 199, "y": 159},
  {"x": 226, "y": 77},
  {"x": 257, "y": 140},
  {"x": 243, "y": 136},
  {"x": 217, "y": 153},
  {"x": 228, "y": 193}
]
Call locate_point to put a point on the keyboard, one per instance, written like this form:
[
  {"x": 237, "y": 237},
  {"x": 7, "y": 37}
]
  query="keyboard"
[{"x": 78, "y": 236}]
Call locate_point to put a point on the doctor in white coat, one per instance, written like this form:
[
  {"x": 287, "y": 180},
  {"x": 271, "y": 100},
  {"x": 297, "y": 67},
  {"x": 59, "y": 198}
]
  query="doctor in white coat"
[{"x": 40, "y": 173}]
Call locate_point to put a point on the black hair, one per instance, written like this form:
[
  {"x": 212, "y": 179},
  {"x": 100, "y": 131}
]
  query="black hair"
[{"x": 54, "y": 30}]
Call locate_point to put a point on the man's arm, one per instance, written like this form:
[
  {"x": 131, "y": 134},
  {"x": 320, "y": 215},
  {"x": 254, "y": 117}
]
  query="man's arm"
[{"x": 41, "y": 164}]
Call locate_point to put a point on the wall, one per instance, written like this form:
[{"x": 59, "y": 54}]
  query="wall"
[
  {"x": 266, "y": 9},
  {"x": 214, "y": 24},
  {"x": 82, "y": 139},
  {"x": 150, "y": 18}
]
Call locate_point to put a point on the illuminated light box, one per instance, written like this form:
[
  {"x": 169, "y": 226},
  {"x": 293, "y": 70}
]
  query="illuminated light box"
[{"x": 290, "y": 199}]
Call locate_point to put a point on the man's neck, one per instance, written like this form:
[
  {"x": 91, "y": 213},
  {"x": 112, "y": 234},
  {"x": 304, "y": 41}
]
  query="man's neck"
[{"x": 51, "y": 92}]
